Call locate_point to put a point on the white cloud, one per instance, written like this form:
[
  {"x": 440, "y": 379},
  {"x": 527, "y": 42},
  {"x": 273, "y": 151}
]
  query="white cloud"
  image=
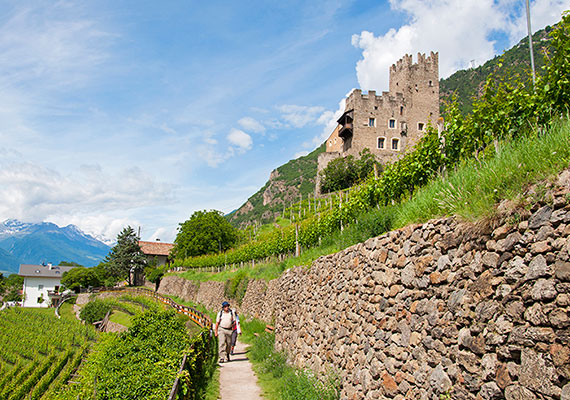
[
  {"x": 34, "y": 193},
  {"x": 252, "y": 125},
  {"x": 241, "y": 139},
  {"x": 300, "y": 116},
  {"x": 543, "y": 12},
  {"x": 460, "y": 30}
]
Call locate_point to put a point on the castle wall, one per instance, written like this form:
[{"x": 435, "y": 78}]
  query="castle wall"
[{"x": 401, "y": 115}]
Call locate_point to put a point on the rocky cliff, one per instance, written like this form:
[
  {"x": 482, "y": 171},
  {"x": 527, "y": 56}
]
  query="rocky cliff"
[{"x": 286, "y": 185}]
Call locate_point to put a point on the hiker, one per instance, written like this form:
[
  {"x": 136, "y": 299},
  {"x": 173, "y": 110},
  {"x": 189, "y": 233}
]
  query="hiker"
[
  {"x": 223, "y": 330},
  {"x": 236, "y": 331}
]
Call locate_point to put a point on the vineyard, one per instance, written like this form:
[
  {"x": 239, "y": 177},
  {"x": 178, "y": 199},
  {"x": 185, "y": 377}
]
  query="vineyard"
[
  {"x": 38, "y": 352},
  {"x": 143, "y": 362},
  {"x": 510, "y": 109}
]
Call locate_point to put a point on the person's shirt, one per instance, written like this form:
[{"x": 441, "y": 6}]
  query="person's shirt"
[
  {"x": 236, "y": 325},
  {"x": 225, "y": 319}
]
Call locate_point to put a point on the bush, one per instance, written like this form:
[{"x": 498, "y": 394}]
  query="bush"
[{"x": 94, "y": 311}]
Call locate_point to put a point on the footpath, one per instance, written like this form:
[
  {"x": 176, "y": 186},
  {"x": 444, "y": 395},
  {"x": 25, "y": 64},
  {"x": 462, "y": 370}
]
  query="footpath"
[{"x": 237, "y": 380}]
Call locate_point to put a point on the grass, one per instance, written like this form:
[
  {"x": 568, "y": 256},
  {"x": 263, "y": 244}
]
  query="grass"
[
  {"x": 473, "y": 190},
  {"x": 213, "y": 389},
  {"x": 120, "y": 317}
]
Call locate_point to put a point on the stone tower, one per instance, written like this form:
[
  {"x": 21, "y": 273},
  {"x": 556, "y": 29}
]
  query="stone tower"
[{"x": 392, "y": 123}]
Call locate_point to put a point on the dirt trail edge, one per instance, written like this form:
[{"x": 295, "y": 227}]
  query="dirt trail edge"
[{"x": 237, "y": 380}]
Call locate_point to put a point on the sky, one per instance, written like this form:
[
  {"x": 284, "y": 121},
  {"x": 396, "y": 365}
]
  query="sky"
[{"x": 123, "y": 112}]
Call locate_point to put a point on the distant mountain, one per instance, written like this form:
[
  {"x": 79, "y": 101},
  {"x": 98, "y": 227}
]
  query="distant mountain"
[{"x": 27, "y": 243}]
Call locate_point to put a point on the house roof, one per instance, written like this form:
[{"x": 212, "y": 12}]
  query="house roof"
[
  {"x": 156, "y": 248},
  {"x": 44, "y": 271}
]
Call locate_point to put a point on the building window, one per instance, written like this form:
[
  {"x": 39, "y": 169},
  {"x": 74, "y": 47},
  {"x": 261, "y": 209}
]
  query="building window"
[
  {"x": 430, "y": 84},
  {"x": 420, "y": 126},
  {"x": 40, "y": 287},
  {"x": 395, "y": 144},
  {"x": 381, "y": 143},
  {"x": 376, "y": 107},
  {"x": 371, "y": 121},
  {"x": 392, "y": 123},
  {"x": 401, "y": 110}
]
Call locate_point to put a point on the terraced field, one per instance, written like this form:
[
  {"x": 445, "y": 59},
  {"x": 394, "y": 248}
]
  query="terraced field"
[{"x": 38, "y": 352}]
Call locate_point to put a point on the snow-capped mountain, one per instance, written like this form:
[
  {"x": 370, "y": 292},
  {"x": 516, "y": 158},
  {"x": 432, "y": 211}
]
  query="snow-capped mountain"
[{"x": 31, "y": 243}]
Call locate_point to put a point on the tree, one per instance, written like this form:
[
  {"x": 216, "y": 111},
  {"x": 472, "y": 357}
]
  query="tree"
[
  {"x": 125, "y": 258},
  {"x": 345, "y": 172},
  {"x": 12, "y": 285},
  {"x": 206, "y": 232},
  {"x": 79, "y": 277}
]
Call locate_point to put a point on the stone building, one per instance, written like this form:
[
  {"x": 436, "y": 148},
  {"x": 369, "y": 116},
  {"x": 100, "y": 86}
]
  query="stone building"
[{"x": 392, "y": 123}]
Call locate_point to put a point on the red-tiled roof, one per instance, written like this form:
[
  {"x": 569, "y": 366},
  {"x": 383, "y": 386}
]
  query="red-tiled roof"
[{"x": 156, "y": 248}]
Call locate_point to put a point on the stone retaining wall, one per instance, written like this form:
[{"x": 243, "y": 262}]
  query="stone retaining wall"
[{"x": 478, "y": 311}]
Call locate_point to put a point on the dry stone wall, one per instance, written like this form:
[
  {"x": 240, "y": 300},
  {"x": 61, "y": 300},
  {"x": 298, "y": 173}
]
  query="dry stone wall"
[{"x": 477, "y": 311}]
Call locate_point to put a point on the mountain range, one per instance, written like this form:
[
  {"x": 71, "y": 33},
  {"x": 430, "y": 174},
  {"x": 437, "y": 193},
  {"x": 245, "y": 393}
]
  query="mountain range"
[{"x": 36, "y": 243}]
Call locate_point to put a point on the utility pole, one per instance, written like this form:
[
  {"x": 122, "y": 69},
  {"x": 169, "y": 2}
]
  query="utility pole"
[{"x": 530, "y": 43}]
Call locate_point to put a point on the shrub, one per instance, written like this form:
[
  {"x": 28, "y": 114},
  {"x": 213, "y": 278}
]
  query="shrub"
[{"x": 94, "y": 311}]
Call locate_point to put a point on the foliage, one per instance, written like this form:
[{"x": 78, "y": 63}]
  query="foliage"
[
  {"x": 236, "y": 286},
  {"x": 344, "y": 172},
  {"x": 11, "y": 286},
  {"x": 94, "y": 311},
  {"x": 79, "y": 277},
  {"x": 126, "y": 256},
  {"x": 205, "y": 232},
  {"x": 155, "y": 274},
  {"x": 141, "y": 363}
]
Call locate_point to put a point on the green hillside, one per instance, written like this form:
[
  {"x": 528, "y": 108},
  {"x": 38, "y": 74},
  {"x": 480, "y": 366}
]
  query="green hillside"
[
  {"x": 468, "y": 84},
  {"x": 287, "y": 185}
]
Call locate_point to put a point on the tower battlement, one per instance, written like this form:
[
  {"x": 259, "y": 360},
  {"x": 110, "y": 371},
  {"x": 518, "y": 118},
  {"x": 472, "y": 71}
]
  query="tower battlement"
[{"x": 430, "y": 62}]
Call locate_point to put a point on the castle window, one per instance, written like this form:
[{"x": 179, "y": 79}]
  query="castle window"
[
  {"x": 376, "y": 107},
  {"x": 381, "y": 143},
  {"x": 392, "y": 123},
  {"x": 395, "y": 144},
  {"x": 430, "y": 84},
  {"x": 401, "y": 110},
  {"x": 420, "y": 126},
  {"x": 404, "y": 128},
  {"x": 371, "y": 121}
]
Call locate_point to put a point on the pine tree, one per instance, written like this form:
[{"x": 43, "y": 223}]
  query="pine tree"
[{"x": 126, "y": 258}]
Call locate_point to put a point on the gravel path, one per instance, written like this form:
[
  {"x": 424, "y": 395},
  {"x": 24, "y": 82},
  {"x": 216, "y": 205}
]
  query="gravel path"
[{"x": 237, "y": 380}]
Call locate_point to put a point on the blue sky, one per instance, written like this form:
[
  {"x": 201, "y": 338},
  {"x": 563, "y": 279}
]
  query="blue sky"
[{"x": 116, "y": 113}]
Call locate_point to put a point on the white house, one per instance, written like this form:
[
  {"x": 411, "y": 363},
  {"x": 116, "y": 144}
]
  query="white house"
[{"x": 41, "y": 284}]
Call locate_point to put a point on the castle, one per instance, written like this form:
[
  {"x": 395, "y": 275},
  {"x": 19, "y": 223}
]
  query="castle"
[{"x": 390, "y": 124}]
